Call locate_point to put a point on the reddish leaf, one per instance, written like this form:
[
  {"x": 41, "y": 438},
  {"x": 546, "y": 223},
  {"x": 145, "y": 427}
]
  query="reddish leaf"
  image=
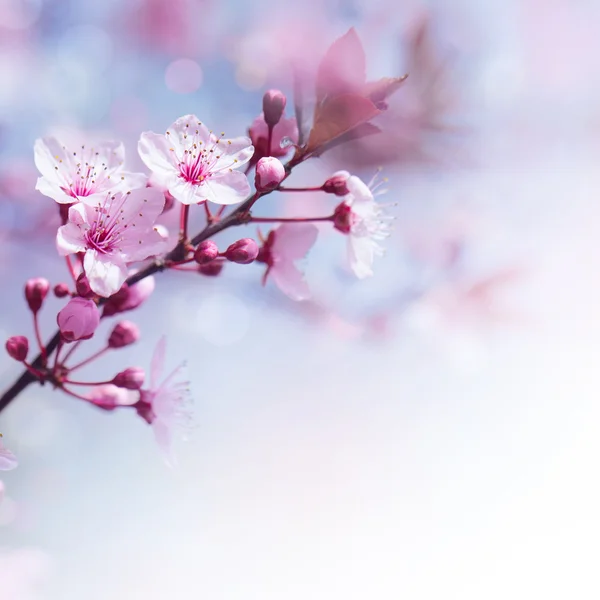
[
  {"x": 337, "y": 116},
  {"x": 378, "y": 91},
  {"x": 359, "y": 132},
  {"x": 343, "y": 68}
]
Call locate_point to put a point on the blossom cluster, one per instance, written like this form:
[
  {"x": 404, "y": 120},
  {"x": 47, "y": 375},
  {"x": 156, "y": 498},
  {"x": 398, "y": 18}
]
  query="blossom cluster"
[{"x": 111, "y": 224}]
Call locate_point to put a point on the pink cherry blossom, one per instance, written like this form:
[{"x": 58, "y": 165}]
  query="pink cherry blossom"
[
  {"x": 112, "y": 230},
  {"x": 286, "y": 129},
  {"x": 68, "y": 176},
  {"x": 195, "y": 165},
  {"x": 361, "y": 218},
  {"x": 165, "y": 405},
  {"x": 284, "y": 245}
]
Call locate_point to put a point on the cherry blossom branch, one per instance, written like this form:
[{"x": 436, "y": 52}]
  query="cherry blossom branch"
[{"x": 290, "y": 219}]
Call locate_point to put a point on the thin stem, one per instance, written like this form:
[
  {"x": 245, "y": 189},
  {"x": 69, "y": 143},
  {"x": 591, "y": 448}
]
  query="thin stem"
[
  {"x": 220, "y": 211},
  {"x": 71, "y": 350},
  {"x": 56, "y": 359},
  {"x": 289, "y": 219},
  {"x": 179, "y": 268},
  {"x": 89, "y": 359},
  {"x": 293, "y": 189},
  {"x": 33, "y": 370},
  {"x": 91, "y": 383},
  {"x": 209, "y": 215},
  {"x": 269, "y": 140},
  {"x": 183, "y": 222},
  {"x": 71, "y": 268},
  {"x": 38, "y": 337},
  {"x": 74, "y": 395}
]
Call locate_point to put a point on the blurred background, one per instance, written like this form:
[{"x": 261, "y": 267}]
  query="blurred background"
[{"x": 429, "y": 433}]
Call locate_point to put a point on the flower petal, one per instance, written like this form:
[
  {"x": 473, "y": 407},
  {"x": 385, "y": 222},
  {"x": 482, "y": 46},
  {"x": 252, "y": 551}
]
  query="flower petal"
[
  {"x": 361, "y": 252},
  {"x": 290, "y": 281},
  {"x": 158, "y": 362},
  {"x": 106, "y": 273},
  {"x": 294, "y": 240},
  {"x": 232, "y": 153},
  {"x": 8, "y": 461},
  {"x": 228, "y": 187},
  {"x": 186, "y": 192},
  {"x": 155, "y": 150}
]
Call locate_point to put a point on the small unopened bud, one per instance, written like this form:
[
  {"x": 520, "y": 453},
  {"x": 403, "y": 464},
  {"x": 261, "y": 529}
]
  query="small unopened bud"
[
  {"x": 123, "y": 334},
  {"x": 130, "y": 379},
  {"x": 343, "y": 217},
  {"x": 243, "y": 251},
  {"x": 82, "y": 285},
  {"x": 129, "y": 297},
  {"x": 36, "y": 290},
  {"x": 78, "y": 320},
  {"x": 17, "y": 347},
  {"x": 108, "y": 396},
  {"x": 269, "y": 174},
  {"x": 61, "y": 290},
  {"x": 337, "y": 184},
  {"x": 211, "y": 269},
  {"x": 273, "y": 106},
  {"x": 206, "y": 252}
]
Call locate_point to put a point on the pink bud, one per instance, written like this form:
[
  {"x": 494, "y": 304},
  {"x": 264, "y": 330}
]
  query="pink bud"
[
  {"x": 343, "y": 217},
  {"x": 269, "y": 174},
  {"x": 211, "y": 269},
  {"x": 243, "y": 251},
  {"x": 206, "y": 252},
  {"x": 337, "y": 184},
  {"x": 82, "y": 285},
  {"x": 108, "y": 396},
  {"x": 130, "y": 379},
  {"x": 273, "y": 106},
  {"x": 78, "y": 320},
  {"x": 36, "y": 290},
  {"x": 123, "y": 334},
  {"x": 17, "y": 347},
  {"x": 129, "y": 297},
  {"x": 61, "y": 290}
]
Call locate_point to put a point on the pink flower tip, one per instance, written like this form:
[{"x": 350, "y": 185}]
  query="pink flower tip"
[
  {"x": 243, "y": 251},
  {"x": 129, "y": 297},
  {"x": 36, "y": 290},
  {"x": 108, "y": 396},
  {"x": 78, "y": 320},
  {"x": 130, "y": 379},
  {"x": 17, "y": 347},
  {"x": 270, "y": 172},
  {"x": 83, "y": 288},
  {"x": 123, "y": 334},
  {"x": 61, "y": 290},
  {"x": 274, "y": 102},
  {"x": 211, "y": 269},
  {"x": 337, "y": 184},
  {"x": 342, "y": 218},
  {"x": 206, "y": 252}
]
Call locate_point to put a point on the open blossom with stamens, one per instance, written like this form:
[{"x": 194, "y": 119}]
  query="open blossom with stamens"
[
  {"x": 165, "y": 405},
  {"x": 112, "y": 230},
  {"x": 195, "y": 165},
  {"x": 362, "y": 219},
  {"x": 284, "y": 245},
  {"x": 70, "y": 175}
]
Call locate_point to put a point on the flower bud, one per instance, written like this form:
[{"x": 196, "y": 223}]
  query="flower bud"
[
  {"x": 129, "y": 297},
  {"x": 206, "y": 252},
  {"x": 78, "y": 320},
  {"x": 337, "y": 184},
  {"x": 211, "y": 269},
  {"x": 82, "y": 285},
  {"x": 269, "y": 174},
  {"x": 36, "y": 290},
  {"x": 342, "y": 217},
  {"x": 130, "y": 379},
  {"x": 243, "y": 251},
  {"x": 108, "y": 396},
  {"x": 273, "y": 106},
  {"x": 123, "y": 334},
  {"x": 17, "y": 347},
  {"x": 61, "y": 290}
]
